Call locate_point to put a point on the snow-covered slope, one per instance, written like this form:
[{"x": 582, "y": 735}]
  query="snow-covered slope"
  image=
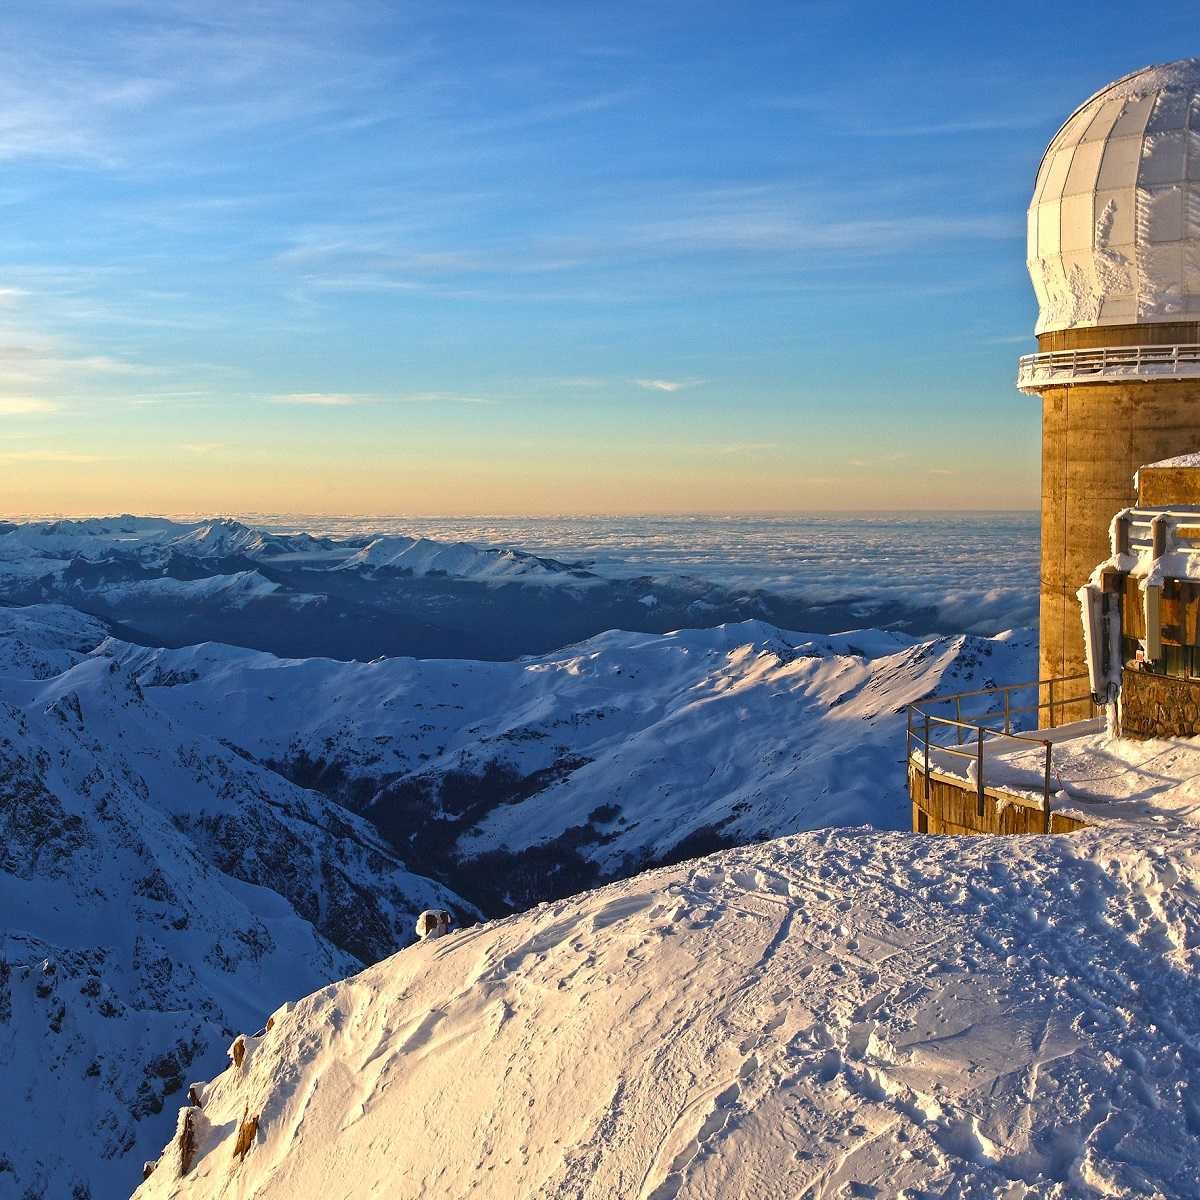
[
  {"x": 48, "y": 546},
  {"x": 461, "y": 560},
  {"x": 363, "y": 595},
  {"x": 237, "y": 590},
  {"x": 849, "y": 1013},
  {"x": 522, "y": 780},
  {"x": 179, "y": 846},
  {"x": 157, "y": 890}
]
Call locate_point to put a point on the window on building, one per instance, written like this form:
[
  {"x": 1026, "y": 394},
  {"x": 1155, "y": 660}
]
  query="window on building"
[
  {"x": 1181, "y": 661},
  {"x": 1177, "y": 661}
]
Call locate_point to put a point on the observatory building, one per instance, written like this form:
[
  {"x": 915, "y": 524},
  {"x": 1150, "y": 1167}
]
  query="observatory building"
[{"x": 1114, "y": 256}]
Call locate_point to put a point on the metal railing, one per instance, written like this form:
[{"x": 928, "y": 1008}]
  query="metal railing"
[
  {"x": 974, "y": 728},
  {"x": 1035, "y": 371}
]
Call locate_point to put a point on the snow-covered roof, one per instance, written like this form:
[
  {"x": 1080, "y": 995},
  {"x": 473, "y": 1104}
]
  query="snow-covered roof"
[
  {"x": 1114, "y": 237},
  {"x": 1180, "y": 460}
]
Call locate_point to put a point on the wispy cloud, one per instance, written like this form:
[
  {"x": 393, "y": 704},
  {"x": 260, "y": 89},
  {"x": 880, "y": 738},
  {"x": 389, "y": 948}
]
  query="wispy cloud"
[
  {"x": 39, "y": 359},
  {"x": 667, "y": 385},
  {"x": 201, "y": 448},
  {"x": 578, "y": 381},
  {"x": 444, "y": 398},
  {"x": 170, "y": 74},
  {"x": 20, "y": 406},
  {"x": 775, "y": 225},
  {"x": 321, "y": 399}
]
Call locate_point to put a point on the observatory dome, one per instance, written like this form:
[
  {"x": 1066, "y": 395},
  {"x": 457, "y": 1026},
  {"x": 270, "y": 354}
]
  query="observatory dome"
[{"x": 1114, "y": 224}]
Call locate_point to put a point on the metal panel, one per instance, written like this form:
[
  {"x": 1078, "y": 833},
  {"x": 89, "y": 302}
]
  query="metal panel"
[
  {"x": 1049, "y": 241},
  {"x": 1100, "y": 127},
  {"x": 1119, "y": 166},
  {"x": 1170, "y": 112},
  {"x": 1192, "y": 149},
  {"x": 1114, "y": 226},
  {"x": 1077, "y": 223},
  {"x": 1163, "y": 158},
  {"x": 1134, "y": 116},
  {"x": 1085, "y": 166},
  {"x": 1160, "y": 213},
  {"x": 1191, "y": 274},
  {"x": 1116, "y": 217}
]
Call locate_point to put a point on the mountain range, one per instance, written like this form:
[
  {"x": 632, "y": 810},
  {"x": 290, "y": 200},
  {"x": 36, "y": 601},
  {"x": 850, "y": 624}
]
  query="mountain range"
[
  {"x": 173, "y": 583},
  {"x": 192, "y": 835}
]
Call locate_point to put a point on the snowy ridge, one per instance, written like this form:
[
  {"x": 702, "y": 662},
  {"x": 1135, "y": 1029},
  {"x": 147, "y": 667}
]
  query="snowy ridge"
[
  {"x": 621, "y": 751},
  {"x": 354, "y": 594},
  {"x": 881, "y": 560},
  {"x": 848, "y": 1013},
  {"x": 158, "y": 890},
  {"x": 237, "y": 589},
  {"x": 461, "y": 560},
  {"x": 97, "y": 537},
  {"x": 152, "y": 540}
]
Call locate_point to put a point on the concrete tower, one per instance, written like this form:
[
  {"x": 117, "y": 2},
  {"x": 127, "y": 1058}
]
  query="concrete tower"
[{"x": 1114, "y": 255}]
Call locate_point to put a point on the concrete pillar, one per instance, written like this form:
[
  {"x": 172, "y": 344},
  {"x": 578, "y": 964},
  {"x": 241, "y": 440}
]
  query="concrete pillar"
[{"x": 1094, "y": 437}]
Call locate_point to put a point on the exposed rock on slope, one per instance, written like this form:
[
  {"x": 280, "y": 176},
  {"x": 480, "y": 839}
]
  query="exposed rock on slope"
[
  {"x": 158, "y": 891},
  {"x": 848, "y": 1013}
]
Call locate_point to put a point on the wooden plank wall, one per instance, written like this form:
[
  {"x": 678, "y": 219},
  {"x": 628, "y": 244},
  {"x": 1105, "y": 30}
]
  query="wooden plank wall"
[{"x": 952, "y": 807}]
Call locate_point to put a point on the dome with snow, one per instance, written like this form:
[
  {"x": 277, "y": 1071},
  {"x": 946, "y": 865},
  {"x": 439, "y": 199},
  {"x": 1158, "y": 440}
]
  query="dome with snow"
[{"x": 1114, "y": 223}]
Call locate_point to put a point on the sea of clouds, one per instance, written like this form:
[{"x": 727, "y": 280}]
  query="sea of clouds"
[{"x": 978, "y": 571}]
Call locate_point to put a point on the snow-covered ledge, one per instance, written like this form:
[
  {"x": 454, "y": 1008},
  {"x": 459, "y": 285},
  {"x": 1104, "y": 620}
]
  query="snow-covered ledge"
[{"x": 1109, "y": 364}]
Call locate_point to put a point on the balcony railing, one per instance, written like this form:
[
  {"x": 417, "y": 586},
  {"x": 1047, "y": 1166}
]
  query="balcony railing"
[
  {"x": 1108, "y": 364},
  {"x": 929, "y": 733}
]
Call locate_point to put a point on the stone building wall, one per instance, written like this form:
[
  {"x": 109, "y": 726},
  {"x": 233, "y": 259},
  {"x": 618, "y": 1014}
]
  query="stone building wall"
[{"x": 1155, "y": 705}]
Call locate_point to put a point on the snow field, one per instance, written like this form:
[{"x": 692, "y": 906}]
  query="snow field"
[{"x": 832, "y": 1014}]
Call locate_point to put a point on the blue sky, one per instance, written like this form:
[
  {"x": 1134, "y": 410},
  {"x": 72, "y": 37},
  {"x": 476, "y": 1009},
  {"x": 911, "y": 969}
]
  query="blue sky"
[{"x": 555, "y": 257}]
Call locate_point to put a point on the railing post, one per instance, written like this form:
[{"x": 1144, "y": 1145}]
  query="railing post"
[
  {"x": 1051, "y": 698},
  {"x": 926, "y": 754},
  {"x": 979, "y": 775},
  {"x": 908, "y": 741},
  {"x": 1007, "y": 705},
  {"x": 1046, "y": 793}
]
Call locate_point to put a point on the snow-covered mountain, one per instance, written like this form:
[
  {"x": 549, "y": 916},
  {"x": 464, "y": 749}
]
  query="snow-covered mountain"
[
  {"x": 158, "y": 890},
  {"x": 849, "y": 1013},
  {"x": 47, "y": 547},
  {"x": 461, "y": 560},
  {"x": 162, "y": 582},
  {"x": 518, "y": 781},
  {"x": 192, "y": 835}
]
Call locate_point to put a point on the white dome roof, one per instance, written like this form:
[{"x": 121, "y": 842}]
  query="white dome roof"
[{"x": 1114, "y": 224}]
